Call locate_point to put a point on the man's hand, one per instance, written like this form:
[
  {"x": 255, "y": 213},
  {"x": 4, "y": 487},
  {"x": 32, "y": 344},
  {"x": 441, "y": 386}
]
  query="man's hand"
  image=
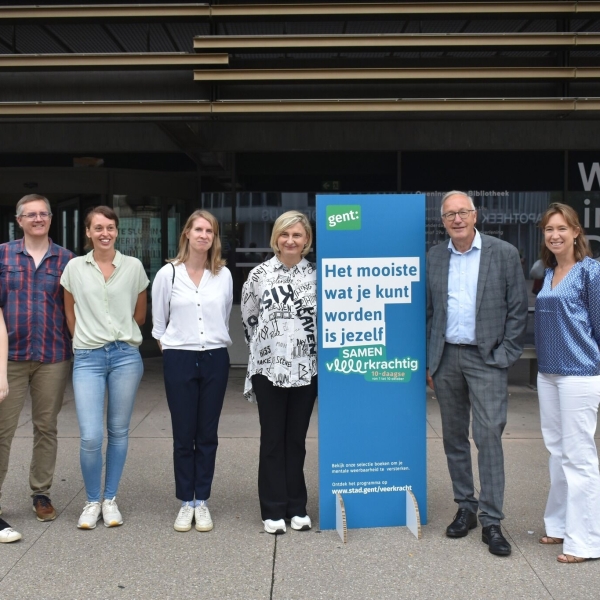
[
  {"x": 429, "y": 380},
  {"x": 3, "y": 387}
]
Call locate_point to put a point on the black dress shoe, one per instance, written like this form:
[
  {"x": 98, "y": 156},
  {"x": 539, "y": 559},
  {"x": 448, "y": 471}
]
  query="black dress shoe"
[
  {"x": 463, "y": 521},
  {"x": 492, "y": 536}
]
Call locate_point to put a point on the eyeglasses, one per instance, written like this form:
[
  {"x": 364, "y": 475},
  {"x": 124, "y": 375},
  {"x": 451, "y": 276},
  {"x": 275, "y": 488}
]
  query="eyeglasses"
[
  {"x": 463, "y": 214},
  {"x": 32, "y": 216}
]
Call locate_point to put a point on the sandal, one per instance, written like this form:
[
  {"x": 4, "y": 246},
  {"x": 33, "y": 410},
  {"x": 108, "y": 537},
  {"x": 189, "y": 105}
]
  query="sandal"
[
  {"x": 570, "y": 559},
  {"x": 548, "y": 540}
]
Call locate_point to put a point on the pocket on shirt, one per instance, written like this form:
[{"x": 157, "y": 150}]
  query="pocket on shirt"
[
  {"x": 15, "y": 276},
  {"x": 51, "y": 281}
]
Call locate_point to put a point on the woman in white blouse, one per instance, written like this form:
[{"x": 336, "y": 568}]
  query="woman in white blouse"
[
  {"x": 279, "y": 316},
  {"x": 191, "y": 304}
]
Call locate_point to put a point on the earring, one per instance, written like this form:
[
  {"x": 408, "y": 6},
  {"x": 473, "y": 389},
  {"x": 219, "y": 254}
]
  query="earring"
[{"x": 575, "y": 242}]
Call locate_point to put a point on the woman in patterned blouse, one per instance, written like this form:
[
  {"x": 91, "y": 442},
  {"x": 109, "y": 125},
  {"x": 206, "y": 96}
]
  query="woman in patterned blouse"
[
  {"x": 279, "y": 316},
  {"x": 567, "y": 338}
]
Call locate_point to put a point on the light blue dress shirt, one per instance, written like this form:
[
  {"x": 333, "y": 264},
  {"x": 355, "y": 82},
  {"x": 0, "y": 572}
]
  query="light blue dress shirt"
[
  {"x": 463, "y": 274},
  {"x": 567, "y": 322}
]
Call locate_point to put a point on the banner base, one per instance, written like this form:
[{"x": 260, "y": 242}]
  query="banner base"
[
  {"x": 413, "y": 518},
  {"x": 340, "y": 518}
]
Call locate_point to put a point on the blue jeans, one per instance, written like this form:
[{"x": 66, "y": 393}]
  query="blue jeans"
[{"x": 119, "y": 366}]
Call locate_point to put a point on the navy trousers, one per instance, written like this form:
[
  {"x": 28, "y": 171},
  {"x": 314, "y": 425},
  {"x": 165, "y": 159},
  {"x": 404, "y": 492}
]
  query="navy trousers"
[
  {"x": 195, "y": 383},
  {"x": 284, "y": 418}
]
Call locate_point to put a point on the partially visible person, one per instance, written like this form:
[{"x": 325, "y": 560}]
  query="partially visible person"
[
  {"x": 7, "y": 533},
  {"x": 105, "y": 304},
  {"x": 39, "y": 344},
  {"x": 567, "y": 339},
  {"x": 191, "y": 301},
  {"x": 476, "y": 320},
  {"x": 279, "y": 317}
]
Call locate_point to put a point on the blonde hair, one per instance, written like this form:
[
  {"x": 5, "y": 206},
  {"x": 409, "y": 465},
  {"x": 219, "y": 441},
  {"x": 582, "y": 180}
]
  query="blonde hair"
[
  {"x": 285, "y": 221},
  {"x": 214, "y": 262},
  {"x": 581, "y": 246}
]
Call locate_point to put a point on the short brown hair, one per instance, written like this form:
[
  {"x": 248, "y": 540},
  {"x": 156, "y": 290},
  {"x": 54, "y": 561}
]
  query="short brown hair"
[
  {"x": 285, "y": 221},
  {"x": 31, "y": 198},
  {"x": 214, "y": 261},
  {"x": 581, "y": 247},
  {"x": 103, "y": 210}
]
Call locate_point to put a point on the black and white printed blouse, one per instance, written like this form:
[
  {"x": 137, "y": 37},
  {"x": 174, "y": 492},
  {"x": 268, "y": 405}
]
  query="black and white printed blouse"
[{"x": 279, "y": 313}]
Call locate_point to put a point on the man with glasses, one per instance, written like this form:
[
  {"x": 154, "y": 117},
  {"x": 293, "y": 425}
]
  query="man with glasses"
[
  {"x": 476, "y": 319},
  {"x": 39, "y": 344}
]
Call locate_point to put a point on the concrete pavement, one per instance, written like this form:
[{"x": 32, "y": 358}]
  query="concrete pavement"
[{"x": 146, "y": 558}]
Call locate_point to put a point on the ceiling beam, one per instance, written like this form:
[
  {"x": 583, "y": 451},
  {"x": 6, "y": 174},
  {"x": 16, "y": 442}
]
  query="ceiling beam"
[
  {"x": 223, "y": 107},
  {"x": 266, "y": 10},
  {"x": 154, "y": 60},
  {"x": 302, "y": 43},
  {"x": 378, "y": 74}
]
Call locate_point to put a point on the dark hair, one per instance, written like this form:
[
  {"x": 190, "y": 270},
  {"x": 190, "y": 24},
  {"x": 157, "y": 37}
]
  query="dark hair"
[
  {"x": 105, "y": 211},
  {"x": 581, "y": 247}
]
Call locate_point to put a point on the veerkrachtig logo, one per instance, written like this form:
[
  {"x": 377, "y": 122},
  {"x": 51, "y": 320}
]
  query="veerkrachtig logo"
[{"x": 343, "y": 217}]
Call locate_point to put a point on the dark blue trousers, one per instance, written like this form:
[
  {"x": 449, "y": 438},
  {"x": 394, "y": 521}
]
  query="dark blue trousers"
[{"x": 195, "y": 383}]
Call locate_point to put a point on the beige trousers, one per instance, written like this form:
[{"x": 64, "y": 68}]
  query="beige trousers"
[{"x": 46, "y": 383}]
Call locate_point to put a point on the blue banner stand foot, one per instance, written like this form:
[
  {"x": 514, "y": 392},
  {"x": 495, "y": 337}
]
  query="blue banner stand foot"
[
  {"x": 340, "y": 518},
  {"x": 413, "y": 518}
]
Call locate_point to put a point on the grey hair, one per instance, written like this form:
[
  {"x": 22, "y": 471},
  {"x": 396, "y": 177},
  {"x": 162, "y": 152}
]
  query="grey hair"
[
  {"x": 31, "y": 198},
  {"x": 456, "y": 193}
]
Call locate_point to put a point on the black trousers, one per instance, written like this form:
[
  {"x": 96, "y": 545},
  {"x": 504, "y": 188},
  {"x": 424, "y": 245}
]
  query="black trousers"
[
  {"x": 195, "y": 383},
  {"x": 284, "y": 418}
]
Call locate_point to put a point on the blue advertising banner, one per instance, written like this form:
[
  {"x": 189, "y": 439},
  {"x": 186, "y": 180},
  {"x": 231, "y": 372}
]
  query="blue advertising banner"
[{"x": 372, "y": 411}]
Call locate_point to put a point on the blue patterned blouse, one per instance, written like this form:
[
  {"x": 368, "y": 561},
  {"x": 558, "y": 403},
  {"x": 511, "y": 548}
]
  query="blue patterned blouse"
[{"x": 567, "y": 322}]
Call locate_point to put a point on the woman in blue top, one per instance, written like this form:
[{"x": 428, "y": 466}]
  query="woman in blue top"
[{"x": 567, "y": 336}]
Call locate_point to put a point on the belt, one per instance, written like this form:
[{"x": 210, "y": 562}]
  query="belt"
[{"x": 463, "y": 345}]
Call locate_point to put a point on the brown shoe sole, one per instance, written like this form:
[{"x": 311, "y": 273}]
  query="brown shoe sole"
[{"x": 43, "y": 518}]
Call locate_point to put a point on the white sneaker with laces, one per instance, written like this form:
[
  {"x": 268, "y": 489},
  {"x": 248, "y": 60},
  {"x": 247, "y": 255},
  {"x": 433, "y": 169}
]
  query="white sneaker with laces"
[
  {"x": 110, "y": 513},
  {"x": 274, "y": 527},
  {"x": 184, "y": 519},
  {"x": 301, "y": 523},
  {"x": 202, "y": 517},
  {"x": 90, "y": 515},
  {"x": 8, "y": 534}
]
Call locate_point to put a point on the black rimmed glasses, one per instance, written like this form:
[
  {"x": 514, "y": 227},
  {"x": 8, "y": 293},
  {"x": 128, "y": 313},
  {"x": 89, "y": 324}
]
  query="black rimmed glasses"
[{"x": 463, "y": 214}]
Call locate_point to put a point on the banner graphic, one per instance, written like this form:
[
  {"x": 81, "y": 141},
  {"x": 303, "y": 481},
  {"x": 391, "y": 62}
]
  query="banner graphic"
[{"x": 372, "y": 413}]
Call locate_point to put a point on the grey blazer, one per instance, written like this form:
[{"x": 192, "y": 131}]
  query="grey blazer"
[{"x": 501, "y": 317}]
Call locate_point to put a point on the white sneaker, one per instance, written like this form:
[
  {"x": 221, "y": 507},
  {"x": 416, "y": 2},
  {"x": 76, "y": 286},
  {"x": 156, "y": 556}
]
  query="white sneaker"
[
  {"x": 301, "y": 523},
  {"x": 274, "y": 527},
  {"x": 8, "y": 534},
  {"x": 90, "y": 515},
  {"x": 110, "y": 513},
  {"x": 184, "y": 519},
  {"x": 202, "y": 517}
]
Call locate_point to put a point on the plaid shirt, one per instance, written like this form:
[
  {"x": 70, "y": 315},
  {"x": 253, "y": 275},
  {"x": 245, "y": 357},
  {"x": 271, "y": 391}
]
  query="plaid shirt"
[{"x": 33, "y": 304}]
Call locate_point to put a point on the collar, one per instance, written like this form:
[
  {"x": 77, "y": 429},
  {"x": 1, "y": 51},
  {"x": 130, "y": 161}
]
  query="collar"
[
  {"x": 476, "y": 244},
  {"x": 277, "y": 264},
  {"x": 20, "y": 248},
  {"x": 89, "y": 257}
]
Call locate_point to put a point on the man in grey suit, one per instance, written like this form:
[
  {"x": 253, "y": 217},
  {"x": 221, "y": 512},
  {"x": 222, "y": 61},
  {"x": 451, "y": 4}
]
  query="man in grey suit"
[{"x": 476, "y": 318}]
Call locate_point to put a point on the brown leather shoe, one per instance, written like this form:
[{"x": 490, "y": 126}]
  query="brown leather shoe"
[{"x": 43, "y": 508}]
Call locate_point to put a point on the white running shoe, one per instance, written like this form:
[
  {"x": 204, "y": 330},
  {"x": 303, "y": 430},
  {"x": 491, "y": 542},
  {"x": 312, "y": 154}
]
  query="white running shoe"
[
  {"x": 90, "y": 515},
  {"x": 202, "y": 517},
  {"x": 301, "y": 523},
  {"x": 9, "y": 535},
  {"x": 184, "y": 519},
  {"x": 274, "y": 527},
  {"x": 111, "y": 514}
]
